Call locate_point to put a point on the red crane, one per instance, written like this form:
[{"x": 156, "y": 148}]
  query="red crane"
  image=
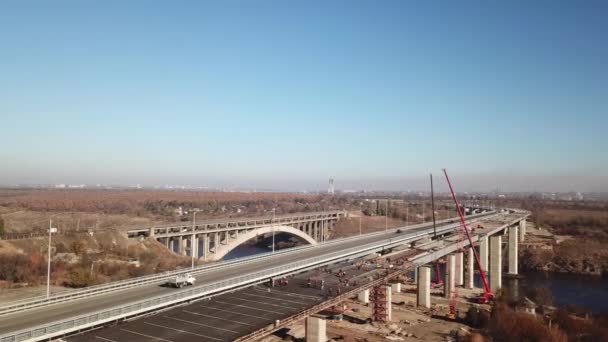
[{"x": 488, "y": 295}]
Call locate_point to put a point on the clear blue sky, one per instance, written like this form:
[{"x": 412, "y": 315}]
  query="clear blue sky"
[{"x": 284, "y": 95}]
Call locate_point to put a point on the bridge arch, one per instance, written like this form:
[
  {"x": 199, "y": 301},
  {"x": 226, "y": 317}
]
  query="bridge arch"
[{"x": 243, "y": 237}]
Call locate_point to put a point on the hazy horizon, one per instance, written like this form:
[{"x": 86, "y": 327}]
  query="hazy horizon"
[{"x": 510, "y": 96}]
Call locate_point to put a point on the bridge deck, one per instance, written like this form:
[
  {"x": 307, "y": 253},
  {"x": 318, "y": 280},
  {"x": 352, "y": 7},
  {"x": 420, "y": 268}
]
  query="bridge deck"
[{"x": 229, "y": 316}]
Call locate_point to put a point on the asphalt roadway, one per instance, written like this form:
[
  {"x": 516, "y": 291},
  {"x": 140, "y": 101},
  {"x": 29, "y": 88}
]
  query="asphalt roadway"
[
  {"x": 232, "y": 315},
  {"x": 61, "y": 311}
]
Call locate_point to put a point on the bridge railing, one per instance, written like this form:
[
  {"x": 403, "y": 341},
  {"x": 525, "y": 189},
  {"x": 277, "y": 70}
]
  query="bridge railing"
[{"x": 158, "y": 278}]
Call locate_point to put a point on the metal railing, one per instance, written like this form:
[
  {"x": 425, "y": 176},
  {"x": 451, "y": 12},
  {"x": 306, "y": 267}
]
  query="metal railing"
[{"x": 131, "y": 309}]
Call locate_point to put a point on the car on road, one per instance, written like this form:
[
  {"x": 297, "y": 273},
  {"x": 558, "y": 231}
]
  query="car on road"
[{"x": 181, "y": 280}]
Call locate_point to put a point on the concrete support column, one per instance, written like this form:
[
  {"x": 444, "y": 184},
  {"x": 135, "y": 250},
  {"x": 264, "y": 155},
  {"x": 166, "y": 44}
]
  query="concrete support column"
[
  {"x": 152, "y": 232},
  {"x": 448, "y": 282},
  {"x": 424, "y": 286},
  {"x": 171, "y": 244},
  {"x": 205, "y": 246},
  {"x": 495, "y": 262},
  {"x": 389, "y": 304},
  {"x": 522, "y": 230},
  {"x": 315, "y": 329},
  {"x": 416, "y": 275},
  {"x": 216, "y": 242},
  {"x": 459, "y": 269},
  {"x": 396, "y": 287},
  {"x": 180, "y": 245},
  {"x": 194, "y": 245},
  {"x": 470, "y": 269},
  {"x": 513, "y": 249},
  {"x": 364, "y": 297},
  {"x": 483, "y": 253}
]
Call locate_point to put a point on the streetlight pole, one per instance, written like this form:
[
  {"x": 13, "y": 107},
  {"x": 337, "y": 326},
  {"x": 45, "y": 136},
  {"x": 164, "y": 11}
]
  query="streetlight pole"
[
  {"x": 192, "y": 249},
  {"x": 274, "y": 210},
  {"x": 386, "y": 216},
  {"x": 360, "y": 216},
  {"x": 323, "y": 227},
  {"x": 48, "y": 267}
]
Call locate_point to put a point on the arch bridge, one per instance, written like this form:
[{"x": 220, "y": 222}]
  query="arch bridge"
[{"x": 213, "y": 239}]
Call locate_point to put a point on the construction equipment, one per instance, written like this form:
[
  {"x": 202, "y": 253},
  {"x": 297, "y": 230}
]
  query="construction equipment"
[
  {"x": 438, "y": 281},
  {"x": 488, "y": 295}
]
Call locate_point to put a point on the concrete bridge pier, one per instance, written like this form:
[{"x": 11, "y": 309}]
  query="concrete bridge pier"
[
  {"x": 363, "y": 297},
  {"x": 495, "y": 262},
  {"x": 171, "y": 244},
  {"x": 216, "y": 242},
  {"x": 459, "y": 269},
  {"x": 194, "y": 246},
  {"x": 470, "y": 269},
  {"x": 424, "y": 286},
  {"x": 483, "y": 253},
  {"x": 205, "y": 238},
  {"x": 522, "y": 230},
  {"x": 448, "y": 282},
  {"x": 513, "y": 249},
  {"x": 184, "y": 245},
  {"x": 316, "y": 329}
]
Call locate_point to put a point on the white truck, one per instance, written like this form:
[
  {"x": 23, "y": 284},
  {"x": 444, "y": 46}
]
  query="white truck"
[{"x": 181, "y": 280}]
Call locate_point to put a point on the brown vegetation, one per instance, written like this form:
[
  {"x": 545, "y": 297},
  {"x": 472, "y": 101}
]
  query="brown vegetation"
[{"x": 81, "y": 260}]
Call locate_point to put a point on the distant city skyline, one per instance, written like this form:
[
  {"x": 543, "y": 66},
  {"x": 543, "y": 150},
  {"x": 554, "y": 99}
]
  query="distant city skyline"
[{"x": 276, "y": 95}]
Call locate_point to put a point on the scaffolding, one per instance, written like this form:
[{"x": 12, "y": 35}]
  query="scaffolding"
[{"x": 380, "y": 303}]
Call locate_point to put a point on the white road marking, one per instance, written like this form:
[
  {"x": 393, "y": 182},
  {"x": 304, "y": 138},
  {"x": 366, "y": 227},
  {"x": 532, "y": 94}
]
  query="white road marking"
[
  {"x": 105, "y": 339},
  {"x": 264, "y": 303},
  {"x": 218, "y": 318},
  {"x": 249, "y": 307},
  {"x": 144, "y": 335},
  {"x": 233, "y": 312},
  {"x": 287, "y": 300},
  {"x": 288, "y": 293},
  {"x": 182, "y": 331},
  {"x": 201, "y": 324}
]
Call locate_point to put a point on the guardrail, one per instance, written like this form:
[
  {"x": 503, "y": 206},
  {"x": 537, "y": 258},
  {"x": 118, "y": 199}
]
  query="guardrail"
[
  {"x": 69, "y": 295},
  {"x": 63, "y": 327}
]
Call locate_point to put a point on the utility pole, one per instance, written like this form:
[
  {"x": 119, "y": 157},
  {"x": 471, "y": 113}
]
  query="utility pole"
[
  {"x": 192, "y": 249},
  {"x": 407, "y": 213},
  {"x": 48, "y": 267},
  {"x": 360, "y": 217},
  {"x": 323, "y": 227},
  {"x": 274, "y": 210},
  {"x": 433, "y": 206},
  {"x": 386, "y": 216}
]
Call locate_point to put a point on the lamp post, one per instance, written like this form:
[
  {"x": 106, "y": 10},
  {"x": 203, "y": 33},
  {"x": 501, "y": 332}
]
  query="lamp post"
[
  {"x": 360, "y": 216},
  {"x": 323, "y": 227},
  {"x": 48, "y": 268},
  {"x": 192, "y": 249},
  {"x": 274, "y": 211},
  {"x": 386, "y": 216}
]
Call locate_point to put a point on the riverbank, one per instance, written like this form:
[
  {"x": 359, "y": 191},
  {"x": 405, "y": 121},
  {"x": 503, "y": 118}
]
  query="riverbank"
[{"x": 547, "y": 252}]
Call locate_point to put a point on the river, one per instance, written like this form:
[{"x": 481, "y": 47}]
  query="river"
[{"x": 587, "y": 292}]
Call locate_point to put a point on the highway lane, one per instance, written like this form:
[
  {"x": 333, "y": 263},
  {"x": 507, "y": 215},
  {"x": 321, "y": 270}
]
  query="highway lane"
[{"x": 38, "y": 316}]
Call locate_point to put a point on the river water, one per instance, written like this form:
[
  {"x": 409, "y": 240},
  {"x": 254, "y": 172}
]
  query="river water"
[
  {"x": 245, "y": 250},
  {"x": 587, "y": 292}
]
